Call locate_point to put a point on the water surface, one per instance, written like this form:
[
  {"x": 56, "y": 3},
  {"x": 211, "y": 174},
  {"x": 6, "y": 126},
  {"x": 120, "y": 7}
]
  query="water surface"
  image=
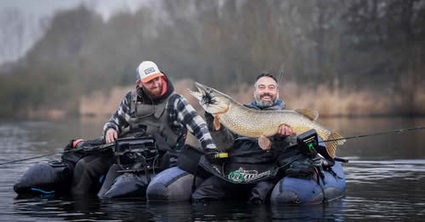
[{"x": 385, "y": 178}]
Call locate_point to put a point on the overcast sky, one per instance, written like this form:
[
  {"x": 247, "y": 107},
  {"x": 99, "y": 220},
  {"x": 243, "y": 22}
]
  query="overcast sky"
[
  {"x": 14, "y": 41},
  {"x": 48, "y": 7}
]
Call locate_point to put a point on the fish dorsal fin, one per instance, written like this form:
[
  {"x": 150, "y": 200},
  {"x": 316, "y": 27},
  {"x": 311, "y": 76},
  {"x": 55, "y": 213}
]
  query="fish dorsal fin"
[{"x": 311, "y": 114}]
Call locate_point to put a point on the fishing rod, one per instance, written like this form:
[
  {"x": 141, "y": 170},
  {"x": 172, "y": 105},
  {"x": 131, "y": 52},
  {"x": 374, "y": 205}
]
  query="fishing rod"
[
  {"x": 108, "y": 145},
  {"x": 29, "y": 158},
  {"x": 378, "y": 134},
  {"x": 85, "y": 148}
]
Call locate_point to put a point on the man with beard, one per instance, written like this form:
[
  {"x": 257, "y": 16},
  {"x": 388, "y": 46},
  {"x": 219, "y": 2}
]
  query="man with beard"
[
  {"x": 152, "y": 110},
  {"x": 245, "y": 153},
  {"x": 167, "y": 186}
]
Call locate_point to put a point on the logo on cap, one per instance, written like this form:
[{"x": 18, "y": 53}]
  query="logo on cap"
[{"x": 149, "y": 70}]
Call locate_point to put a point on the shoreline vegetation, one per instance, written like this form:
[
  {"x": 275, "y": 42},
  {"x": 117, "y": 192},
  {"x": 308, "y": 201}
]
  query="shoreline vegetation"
[
  {"x": 340, "y": 58},
  {"x": 328, "y": 103}
]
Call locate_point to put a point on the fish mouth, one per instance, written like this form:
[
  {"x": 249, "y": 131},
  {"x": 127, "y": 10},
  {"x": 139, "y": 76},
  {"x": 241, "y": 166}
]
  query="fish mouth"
[
  {"x": 198, "y": 95},
  {"x": 202, "y": 88},
  {"x": 202, "y": 91},
  {"x": 204, "y": 94}
]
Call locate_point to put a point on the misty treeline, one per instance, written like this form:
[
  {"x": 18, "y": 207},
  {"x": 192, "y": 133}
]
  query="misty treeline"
[{"x": 350, "y": 45}]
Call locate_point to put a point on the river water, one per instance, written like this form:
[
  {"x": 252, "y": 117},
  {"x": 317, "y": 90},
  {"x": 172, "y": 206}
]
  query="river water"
[{"x": 385, "y": 178}]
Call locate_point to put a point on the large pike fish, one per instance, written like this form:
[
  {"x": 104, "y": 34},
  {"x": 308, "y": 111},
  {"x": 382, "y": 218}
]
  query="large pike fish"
[{"x": 260, "y": 124}]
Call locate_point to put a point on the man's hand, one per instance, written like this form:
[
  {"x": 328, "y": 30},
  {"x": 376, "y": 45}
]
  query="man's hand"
[
  {"x": 74, "y": 143},
  {"x": 285, "y": 130},
  {"x": 111, "y": 135}
]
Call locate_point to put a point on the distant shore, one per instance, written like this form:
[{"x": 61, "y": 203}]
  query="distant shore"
[{"x": 327, "y": 103}]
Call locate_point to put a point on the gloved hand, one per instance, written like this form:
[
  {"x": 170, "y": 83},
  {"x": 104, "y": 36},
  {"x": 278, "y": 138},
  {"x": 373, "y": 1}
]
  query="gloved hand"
[
  {"x": 279, "y": 142},
  {"x": 211, "y": 153},
  {"x": 214, "y": 155},
  {"x": 322, "y": 162}
]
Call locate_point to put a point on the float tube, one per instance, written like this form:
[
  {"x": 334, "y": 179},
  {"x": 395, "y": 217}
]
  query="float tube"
[{"x": 177, "y": 183}]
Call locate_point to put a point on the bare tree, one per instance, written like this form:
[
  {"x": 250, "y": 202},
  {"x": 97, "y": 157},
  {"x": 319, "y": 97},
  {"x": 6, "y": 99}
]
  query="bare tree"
[{"x": 12, "y": 25}]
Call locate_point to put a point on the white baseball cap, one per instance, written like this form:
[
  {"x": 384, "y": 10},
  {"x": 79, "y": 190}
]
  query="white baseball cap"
[{"x": 148, "y": 70}]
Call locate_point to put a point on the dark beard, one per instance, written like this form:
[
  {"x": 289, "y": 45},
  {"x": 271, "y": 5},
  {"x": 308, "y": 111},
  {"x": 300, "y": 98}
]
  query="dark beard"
[
  {"x": 265, "y": 103},
  {"x": 146, "y": 98}
]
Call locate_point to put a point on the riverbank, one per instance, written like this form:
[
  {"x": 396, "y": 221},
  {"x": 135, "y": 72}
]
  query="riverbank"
[{"x": 336, "y": 103}]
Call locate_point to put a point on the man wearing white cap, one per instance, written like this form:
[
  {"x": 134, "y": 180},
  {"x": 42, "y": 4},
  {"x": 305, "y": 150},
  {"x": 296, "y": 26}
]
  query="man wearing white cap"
[{"x": 152, "y": 109}]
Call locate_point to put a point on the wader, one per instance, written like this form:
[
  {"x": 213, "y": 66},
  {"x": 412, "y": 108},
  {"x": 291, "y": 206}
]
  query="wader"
[
  {"x": 54, "y": 178},
  {"x": 292, "y": 175},
  {"x": 150, "y": 121}
]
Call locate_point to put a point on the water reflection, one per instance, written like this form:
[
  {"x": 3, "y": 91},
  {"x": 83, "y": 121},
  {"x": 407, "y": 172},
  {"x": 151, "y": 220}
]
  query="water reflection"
[
  {"x": 374, "y": 187},
  {"x": 385, "y": 178},
  {"x": 407, "y": 145},
  {"x": 379, "y": 190},
  {"x": 136, "y": 210}
]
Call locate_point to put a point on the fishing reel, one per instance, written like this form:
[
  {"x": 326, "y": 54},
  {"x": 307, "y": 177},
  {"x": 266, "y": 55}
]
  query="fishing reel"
[
  {"x": 136, "y": 154},
  {"x": 308, "y": 142}
]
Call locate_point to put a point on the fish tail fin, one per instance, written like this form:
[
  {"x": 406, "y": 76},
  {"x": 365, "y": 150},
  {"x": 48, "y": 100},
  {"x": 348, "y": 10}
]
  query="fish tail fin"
[{"x": 335, "y": 140}]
